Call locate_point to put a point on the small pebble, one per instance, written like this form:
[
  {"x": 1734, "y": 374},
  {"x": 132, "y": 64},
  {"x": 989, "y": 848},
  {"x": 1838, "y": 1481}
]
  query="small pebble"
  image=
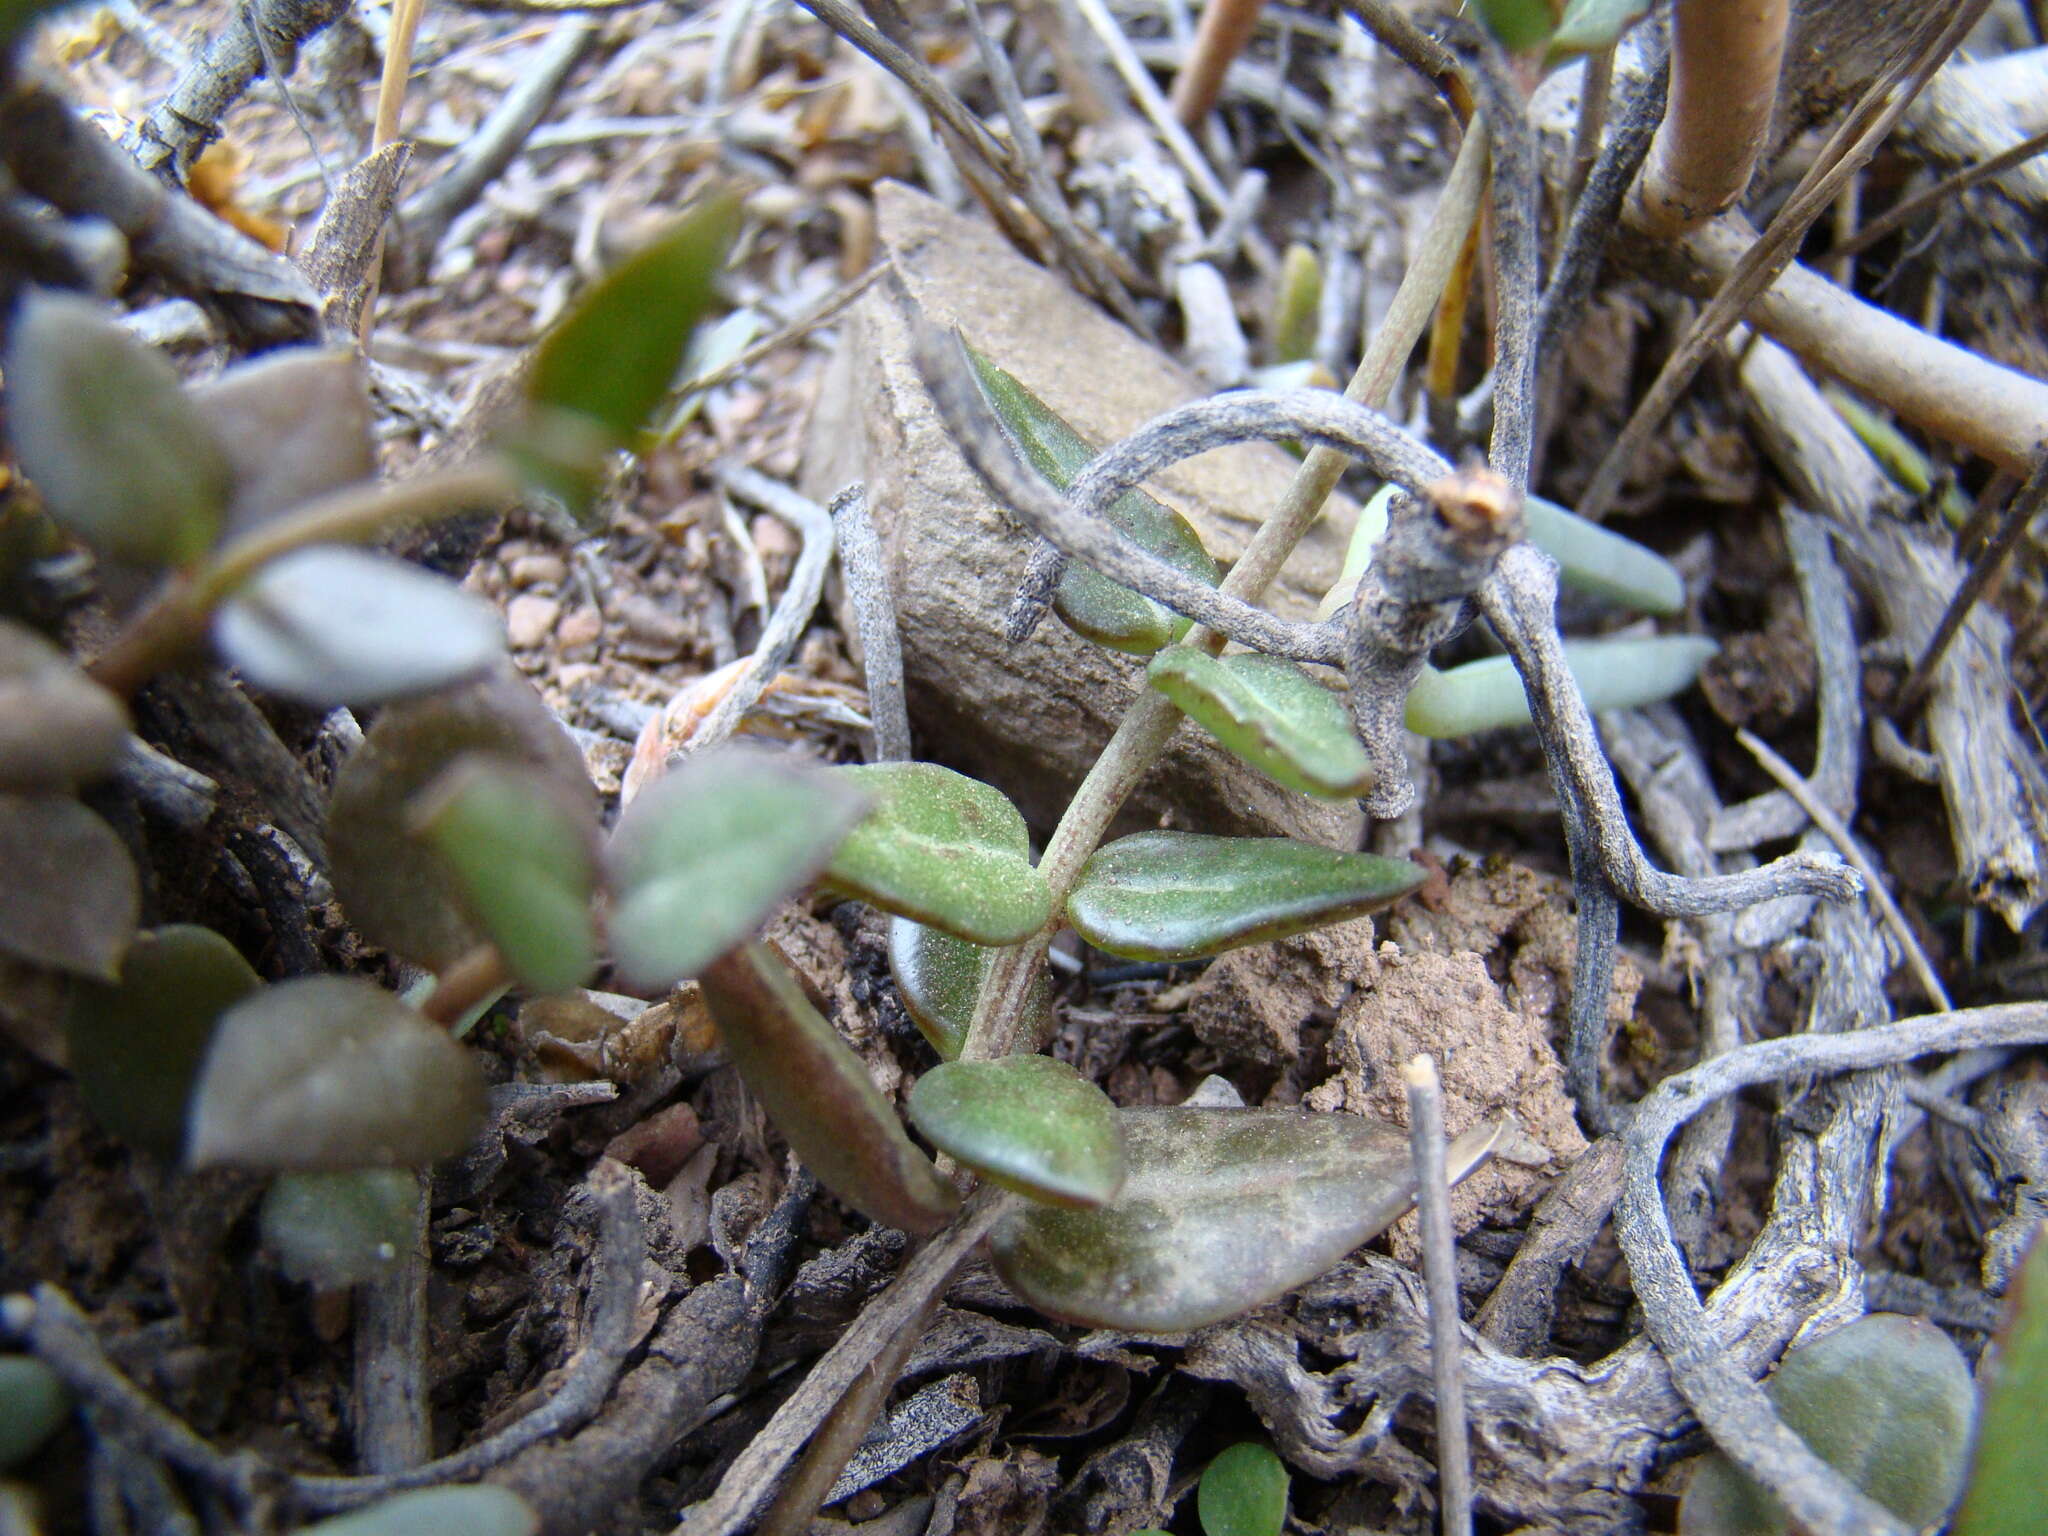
[
  {"x": 583, "y": 626},
  {"x": 538, "y": 571},
  {"x": 653, "y": 633},
  {"x": 530, "y": 619}
]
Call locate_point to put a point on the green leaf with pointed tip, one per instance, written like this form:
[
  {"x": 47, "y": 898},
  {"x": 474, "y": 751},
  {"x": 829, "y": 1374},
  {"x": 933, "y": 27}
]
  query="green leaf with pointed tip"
[
  {"x": 1243, "y": 1492},
  {"x": 396, "y": 890},
  {"x": 122, "y": 458},
  {"x": 332, "y": 626},
  {"x": 331, "y": 1072},
  {"x": 33, "y": 1406},
  {"x": 69, "y": 894},
  {"x": 295, "y": 423},
  {"x": 701, "y": 859},
  {"x": 2005, "y": 1474},
  {"x": 1612, "y": 674},
  {"x": 1030, "y": 1123},
  {"x": 1222, "y": 1210},
  {"x": 940, "y": 978},
  {"x": 1089, "y": 603},
  {"x": 136, "y": 1046},
  {"x": 944, "y": 849},
  {"x": 1591, "y": 26},
  {"x": 1270, "y": 713},
  {"x": 1521, "y": 25},
  {"x": 58, "y": 728},
  {"x": 523, "y": 856},
  {"x": 601, "y": 372},
  {"x": 336, "y": 1229},
  {"x": 1177, "y": 895},
  {"x": 1887, "y": 1401},
  {"x": 474, "y": 1509},
  {"x": 1297, "y": 307},
  {"x": 819, "y": 1094}
]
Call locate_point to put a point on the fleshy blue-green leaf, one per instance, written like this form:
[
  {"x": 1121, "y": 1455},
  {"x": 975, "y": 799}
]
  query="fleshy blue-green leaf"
[
  {"x": 702, "y": 857},
  {"x": 329, "y": 625},
  {"x": 1089, "y": 603},
  {"x": 396, "y": 890},
  {"x": 69, "y": 894},
  {"x": 1612, "y": 674},
  {"x": 33, "y": 1405},
  {"x": 295, "y": 423},
  {"x": 819, "y": 1094},
  {"x": 1590, "y": 559},
  {"x": 2005, "y": 1476},
  {"x": 1030, "y": 1123},
  {"x": 136, "y": 1045},
  {"x": 523, "y": 855},
  {"x": 1222, "y": 1210},
  {"x": 331, "y": 1072},
  {"x": 940, "y": 978},
  {"x": 1243, "y": 1492},
  {"x": 1887, "y": 1401},
  {"x": 336, "y": 1229},
  {"x": 122, "y": 458},
  {"x": 478, "y": 1509},
  {"x": 1177, "y": 895},
  {"x": 944, "y": 849},
  {"x": 1272, "y": 714},
  {"x": 601, "y": 372}
]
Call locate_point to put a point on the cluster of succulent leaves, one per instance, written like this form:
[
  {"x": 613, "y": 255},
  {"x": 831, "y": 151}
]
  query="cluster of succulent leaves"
[{"x": 1243, "y": 1492}]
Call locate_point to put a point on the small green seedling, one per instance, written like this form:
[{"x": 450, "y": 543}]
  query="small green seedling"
[
  {"x": 1887, "y": 1401},
  {"x": 1243, "y": 1492}
]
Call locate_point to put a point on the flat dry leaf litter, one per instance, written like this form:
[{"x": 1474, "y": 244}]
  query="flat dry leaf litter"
[{"x": 1006, "y": 1423}]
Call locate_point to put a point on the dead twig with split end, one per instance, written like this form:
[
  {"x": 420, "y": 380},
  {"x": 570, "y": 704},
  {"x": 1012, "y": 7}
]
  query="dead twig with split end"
[
  {"x": 1440, "y": 1270},
  {"x": 1730, "y": 1405},
  {"x": 1724, "y": 81}
]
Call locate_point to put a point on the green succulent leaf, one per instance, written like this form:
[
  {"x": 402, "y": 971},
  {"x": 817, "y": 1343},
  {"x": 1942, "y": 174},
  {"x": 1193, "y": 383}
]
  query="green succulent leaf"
[
  {"x": 1222, "y": 1210},
  {"x": 1612, "y": 674},
  {"x": 58, "y": 728},
  {"x": 1896, "y": 453},
  {"x": 702, "y": 857},
  {"x": 477, "y": 1509},
  {"x": 522, "y": 853},
  {"x": 345, "y": 1228},
  {"x": 1030, "y": 1123},
  {"x": 944, "y": 849},
  {"x": 328, "y": 1073},
  {"x": 398, "y": 892},
  {"x": 1590, "y": 559},
  {"x": 1520, "y": 25},
  {"x": 2005, "y": 1475},
  {"x": 136, "y": 1045},
  {"x": 1243, "y": 1492},
  {"x": 819, "y": 1094},
  {"x": 1272, "y": 714},
  {"x": 69, "y": 894},
  {"x": 601, "y": 372},
  {"x": 940, "y": 979},
  {"x": 1592, "y": 26},
  {"x": 1089, "y": 603},
  {"x": 1887, "y": 1401},
  {"x": 295, "y": 424},
  {"x": 122, "y": 457},
  {"x": 328, "y": 625},
  {"x": 33, "y": 1406},
  {"x": 1177, "y": 895}
]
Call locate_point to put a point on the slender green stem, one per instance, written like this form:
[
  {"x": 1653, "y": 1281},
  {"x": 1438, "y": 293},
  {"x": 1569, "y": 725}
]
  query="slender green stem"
[
  {"x": 176, "y": 621},
  {"x": 1152, "y": 719}
]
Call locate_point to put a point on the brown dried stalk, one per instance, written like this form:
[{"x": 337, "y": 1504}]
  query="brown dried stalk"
[{"x": 1725, "y": 58}]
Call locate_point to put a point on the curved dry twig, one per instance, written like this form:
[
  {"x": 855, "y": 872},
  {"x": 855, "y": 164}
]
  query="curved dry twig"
[{"x": 1732, "y": 1407}]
